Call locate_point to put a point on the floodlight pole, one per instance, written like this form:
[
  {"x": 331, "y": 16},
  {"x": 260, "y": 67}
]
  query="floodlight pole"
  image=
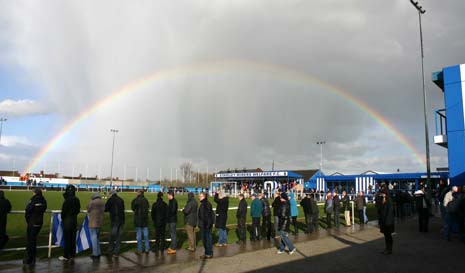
[
  {"x": 428, "y": 163},
  {"x": 321, "y": 143},
  {"x": 114, "y": 131},
  {"x": 1, "y": 127}
]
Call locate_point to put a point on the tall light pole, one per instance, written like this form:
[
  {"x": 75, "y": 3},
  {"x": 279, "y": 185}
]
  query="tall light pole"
[
  {"x": 114, "y": 131},
  {"x": 321, "y": 143},
  {"x": 1, "y": 127},
  {"x": 428, "y": 163}
]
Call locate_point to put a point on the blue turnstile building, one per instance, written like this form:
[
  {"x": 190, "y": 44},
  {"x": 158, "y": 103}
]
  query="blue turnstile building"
[{"x": 450, "y": 121}]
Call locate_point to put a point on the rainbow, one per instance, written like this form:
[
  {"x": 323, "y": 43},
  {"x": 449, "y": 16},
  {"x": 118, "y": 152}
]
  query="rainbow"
[{"x": 282, "y": 72}]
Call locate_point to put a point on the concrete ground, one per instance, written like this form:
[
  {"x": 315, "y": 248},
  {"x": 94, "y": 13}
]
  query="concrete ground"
[{"x": 344, "y": 250}]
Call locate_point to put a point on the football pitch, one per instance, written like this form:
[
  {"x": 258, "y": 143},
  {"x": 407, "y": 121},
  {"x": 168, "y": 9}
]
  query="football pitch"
[{"x": 16, "y": 227}]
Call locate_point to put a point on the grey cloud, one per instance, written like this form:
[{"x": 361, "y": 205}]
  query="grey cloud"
[{"x": 239, "y": 117}]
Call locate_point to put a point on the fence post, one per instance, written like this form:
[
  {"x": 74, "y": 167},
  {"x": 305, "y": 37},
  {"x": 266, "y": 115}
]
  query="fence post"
[{"x": 52, "y": 214}]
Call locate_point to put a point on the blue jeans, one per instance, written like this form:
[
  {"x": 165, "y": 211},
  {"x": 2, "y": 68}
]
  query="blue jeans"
[
  {"x": 94, "y": 234},
  {"x": 365, "y": 218},
  {"x": 207, "y": 241},
  {"x": 285, "y": 241},
  {"x": 222, "y": 236},
  {"x": 139, "y": 231},
  {"x": 173, "y": 235},
  {"x": 116, "y": 232}
]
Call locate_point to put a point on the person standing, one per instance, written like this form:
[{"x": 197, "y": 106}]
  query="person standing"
[
  {"x": 256, "y": 210},
  {"x": 266, "y": 216},
  {"x": 306, "y": 205},
  {"x": 337, "y": 208},
  {"x": 276, "y": 205},
  {"x": 284, "y": 214},
  {"x": 359, "y": 204},
  {"x": 172, "y": 221},
  {"x": 222, "y": 206},
  {"x": 346, "y": 206},
  {"x": 159, "y": 219},
  {"x": 140, "y": 207},
  {"x": 423, "y": 204},
  {"x": 387, "y": 220},
  {"x": 34, "y": 214},
  {"x": 115, "y": 207},
  {"x": 241, "y": 215},
  {"x": 328, "y": 209},
  {"x": 315, "y": 213},
  {"x": 205, "y": 225},
  {"x": 69, "y": 211},
  {"x": 5, "y": 208},
  {"x": 190, "y": 220},
  {"x": 294, "y": 212},
  {"x": 95, "y": 211}
]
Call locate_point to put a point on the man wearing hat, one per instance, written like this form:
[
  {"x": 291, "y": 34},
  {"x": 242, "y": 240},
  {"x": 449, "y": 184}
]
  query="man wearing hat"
[
  {"x": 256, "y": 210},
  {"x": 115, "y": 207}
]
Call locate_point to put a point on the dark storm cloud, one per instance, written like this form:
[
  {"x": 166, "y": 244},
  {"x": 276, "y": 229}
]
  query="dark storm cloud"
[{"x": 239, "y": 118}]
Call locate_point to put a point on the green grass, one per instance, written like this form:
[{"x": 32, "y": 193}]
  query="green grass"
[{"x": 16, "y": 227}]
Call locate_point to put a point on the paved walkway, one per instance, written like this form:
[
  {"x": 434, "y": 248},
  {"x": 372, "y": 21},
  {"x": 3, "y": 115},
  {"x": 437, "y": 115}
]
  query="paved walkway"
[{"x": 346, "y": 250}]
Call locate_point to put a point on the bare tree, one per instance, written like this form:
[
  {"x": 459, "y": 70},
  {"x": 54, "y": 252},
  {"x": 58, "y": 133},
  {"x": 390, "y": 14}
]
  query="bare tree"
[{"x": 186, "y": 171}]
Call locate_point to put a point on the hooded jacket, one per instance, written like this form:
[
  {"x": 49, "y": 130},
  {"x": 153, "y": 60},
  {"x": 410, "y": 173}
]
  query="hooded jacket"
[
  {"x": 115, "y": 206},
  {"x": 35, "y": 211},
  {"x": 190, "y": 211},
  {"x": 140, "y": 206},
  {"x": 95, "y": 210},
  {"x": 159, "y": 212},
  {"x": 70, "y": 209},
  {"x": 5, "y": 208}
]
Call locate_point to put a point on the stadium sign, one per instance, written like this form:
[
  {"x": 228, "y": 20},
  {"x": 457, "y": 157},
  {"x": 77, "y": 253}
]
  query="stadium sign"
[{"x": 252, "y": 174}]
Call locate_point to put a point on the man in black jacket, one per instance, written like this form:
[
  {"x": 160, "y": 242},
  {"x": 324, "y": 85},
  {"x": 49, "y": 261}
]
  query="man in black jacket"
[
  {"x": 172, "y": 221},
  {"x": 307, "y": 206},
  {"x": 35, "y": 218},
  {"x": 315, "y": 213},
  {"x": 276, "y": 205},
  {"x": 346, "y": 207},
  {"x": 69, "y": 211},
  {"x": 190, "y": 220},
  {"x": 205, "y": 225},
  {"x": 387, "y": 220},
  {"x": 266, "y": 216},
  {"x": 115, "y": 207},
  {"x": 284, "y": 215},
  {"x": 241, "y": 215},
  {"x": 159, "y": 218},
  {"x": 5, "y": 208},
  {"x": 140, "y": 207},
  {"x": 222, "y": 206},
  {"x": 337, "y": 208}
]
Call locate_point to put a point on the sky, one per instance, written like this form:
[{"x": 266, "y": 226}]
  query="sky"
[{"x": 235, "y": 84}]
